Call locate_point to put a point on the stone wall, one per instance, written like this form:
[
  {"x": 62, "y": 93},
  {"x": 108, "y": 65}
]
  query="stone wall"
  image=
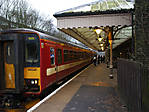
[{"x": 142, "y": 31}]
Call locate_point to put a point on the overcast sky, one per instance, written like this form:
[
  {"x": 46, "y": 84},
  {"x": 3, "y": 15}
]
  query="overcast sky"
[{"x": 49, "y": 7}]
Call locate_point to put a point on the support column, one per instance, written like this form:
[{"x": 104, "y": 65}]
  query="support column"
[
  {"x": 111, "y": 65},
  {"x": 110, "y": 35}
]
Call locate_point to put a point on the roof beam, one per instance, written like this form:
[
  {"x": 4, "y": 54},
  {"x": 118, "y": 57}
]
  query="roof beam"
[
  {"x": 84, "y": 37},
  {"x": 78, "y": 36}
]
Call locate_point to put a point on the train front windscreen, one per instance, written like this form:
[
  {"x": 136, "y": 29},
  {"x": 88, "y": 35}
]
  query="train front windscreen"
[{"x": 32, "y": 50}]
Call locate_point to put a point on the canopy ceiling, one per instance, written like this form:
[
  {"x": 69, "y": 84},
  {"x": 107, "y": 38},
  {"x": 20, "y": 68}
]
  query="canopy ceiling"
[{"x": 80, "y": 22}]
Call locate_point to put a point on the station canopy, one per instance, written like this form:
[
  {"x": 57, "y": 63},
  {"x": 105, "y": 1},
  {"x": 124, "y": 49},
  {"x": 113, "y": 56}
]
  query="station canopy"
[{"x": 82, "y": 21}]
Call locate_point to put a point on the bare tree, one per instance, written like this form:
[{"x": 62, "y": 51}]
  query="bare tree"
[
  {"x": 20, "y": 12},
  {"x": 47, "y": 25},
  {"x": 1, "y": 3},
  {"x": 7, "y": 6}
]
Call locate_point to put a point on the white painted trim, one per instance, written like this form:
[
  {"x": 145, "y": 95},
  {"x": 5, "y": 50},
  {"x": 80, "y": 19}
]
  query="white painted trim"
[
  {"x": 50, "y": 71},
  {"x": 70, "y": 65}
]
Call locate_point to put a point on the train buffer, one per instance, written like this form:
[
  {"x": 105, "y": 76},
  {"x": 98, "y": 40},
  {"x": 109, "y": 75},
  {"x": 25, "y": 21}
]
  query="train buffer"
[{"x": 91, "y": 91}]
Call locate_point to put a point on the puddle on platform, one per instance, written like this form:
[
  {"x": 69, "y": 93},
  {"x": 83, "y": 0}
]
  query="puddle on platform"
[{"x": 100, "y": 84}]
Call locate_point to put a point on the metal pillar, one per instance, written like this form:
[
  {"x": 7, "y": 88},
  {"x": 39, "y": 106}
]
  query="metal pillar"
[
  {"x": 110, "y": 37},
  {"x": 111, "y": 65}
]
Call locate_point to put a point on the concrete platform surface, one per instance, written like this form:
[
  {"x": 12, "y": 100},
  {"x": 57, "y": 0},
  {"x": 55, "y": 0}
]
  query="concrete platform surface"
[{"x": 91, "y": 91}]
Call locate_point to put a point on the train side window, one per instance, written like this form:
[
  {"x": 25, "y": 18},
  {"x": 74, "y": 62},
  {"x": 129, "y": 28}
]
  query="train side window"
[
  {"x": 59, "y": 54},
  {"x": 52, "y": 56},
  {"x": 65, "y": 55},
  {"x": 79, "y": 55},
  {"x": 70, "y": 55},
  {"x": 75, "y": 55},
  {"x": 82, "y": 55}
]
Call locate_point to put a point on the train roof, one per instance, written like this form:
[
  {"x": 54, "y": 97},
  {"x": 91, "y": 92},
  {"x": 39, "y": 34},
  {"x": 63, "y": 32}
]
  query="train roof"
[{"x": 43, "y": 36}]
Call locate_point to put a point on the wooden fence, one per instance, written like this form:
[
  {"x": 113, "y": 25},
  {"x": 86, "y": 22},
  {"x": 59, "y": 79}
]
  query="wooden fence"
[{"x": 133, "y": 83}]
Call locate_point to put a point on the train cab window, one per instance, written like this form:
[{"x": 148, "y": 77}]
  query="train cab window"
[
  {"x": 59, "y": 56},
  {"x": 30, "y": 55},
  {"x": 52, "y": 56},
  {"x": 32, "y": 49}
]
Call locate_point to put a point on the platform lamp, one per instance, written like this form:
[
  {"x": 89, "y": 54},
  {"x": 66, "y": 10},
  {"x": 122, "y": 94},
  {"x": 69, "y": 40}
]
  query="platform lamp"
[
  {"x": 102, "y": 48},
  {"x": 98, "y": 32},
  {"x": 110, "y": 38}
]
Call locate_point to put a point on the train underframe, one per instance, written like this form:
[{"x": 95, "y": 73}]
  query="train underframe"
[{"x": 11, "y": 101}]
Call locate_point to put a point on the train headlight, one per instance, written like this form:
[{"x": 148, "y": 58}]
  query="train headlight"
[
  {"x": 31, "y": 85},
  {"x": 36, "y": 82},
  {"x": 32, "y": 82}
]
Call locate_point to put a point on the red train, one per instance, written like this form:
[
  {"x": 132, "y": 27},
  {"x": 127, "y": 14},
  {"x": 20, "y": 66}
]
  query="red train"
[{"x": 31, "y": 61}]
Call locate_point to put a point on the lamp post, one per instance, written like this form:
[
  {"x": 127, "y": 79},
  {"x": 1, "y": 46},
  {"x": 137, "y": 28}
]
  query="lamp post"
[{"x": 110, "y": 38}]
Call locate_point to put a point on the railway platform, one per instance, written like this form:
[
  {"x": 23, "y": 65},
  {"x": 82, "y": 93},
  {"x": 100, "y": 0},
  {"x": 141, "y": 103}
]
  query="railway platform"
[{"x": 91, "y": 91}]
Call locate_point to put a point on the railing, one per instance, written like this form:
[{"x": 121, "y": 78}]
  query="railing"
[{"x": 133, "y": 83}]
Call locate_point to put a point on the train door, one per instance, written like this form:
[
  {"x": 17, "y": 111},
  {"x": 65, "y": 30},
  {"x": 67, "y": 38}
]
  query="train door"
[
  {"x": 2, "y": 78},
  {"x": 52, "y": 70},
  {"x": 10, "y": 66},
  {"x": 59, "y": 61},
  {"x": 53, "y": 57}
]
